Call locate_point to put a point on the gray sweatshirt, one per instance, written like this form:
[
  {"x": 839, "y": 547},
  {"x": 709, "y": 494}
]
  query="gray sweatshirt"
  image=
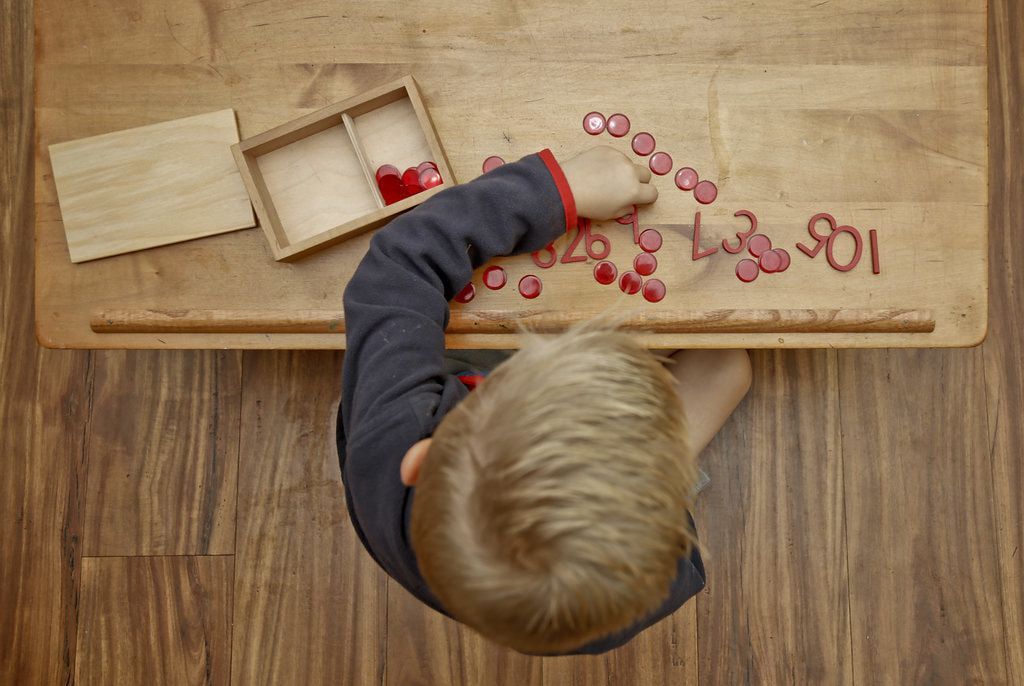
[{"x": 395, "y": 390}]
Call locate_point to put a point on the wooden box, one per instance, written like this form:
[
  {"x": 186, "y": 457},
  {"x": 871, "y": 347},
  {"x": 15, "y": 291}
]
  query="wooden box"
[{"x": 312, "y": 180}]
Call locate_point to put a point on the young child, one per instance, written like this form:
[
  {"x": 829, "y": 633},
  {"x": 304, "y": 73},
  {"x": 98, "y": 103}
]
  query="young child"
[{"x": 548, "y": 508}]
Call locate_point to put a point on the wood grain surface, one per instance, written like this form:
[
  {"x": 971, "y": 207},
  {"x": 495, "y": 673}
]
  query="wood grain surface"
[
  {"x": 1003, "y": 353},
  {"x": 44, "y": 414},
  {"x": 777, "y": 577},
  {"x": 927, "y": 444},
  {"x": 309, "y": 601},
  {"x": 153, "y": 405},
  {"x": 873, "y": 112},
  {"x": 155, "y": 620},
  {"x": 424, "y": 647},
  {"x": 151, "y": 185},
  {"x": 920, "y": 508},
  {"x": 537, "y": 320},
  {"x": 301, "y": 178}
]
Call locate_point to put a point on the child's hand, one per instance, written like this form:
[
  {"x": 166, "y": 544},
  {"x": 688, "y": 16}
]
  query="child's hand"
[{"x": 606, "y": 184}]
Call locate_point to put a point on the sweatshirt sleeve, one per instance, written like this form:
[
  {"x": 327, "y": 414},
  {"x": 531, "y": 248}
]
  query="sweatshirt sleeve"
[{"x": 396, "y": 303}]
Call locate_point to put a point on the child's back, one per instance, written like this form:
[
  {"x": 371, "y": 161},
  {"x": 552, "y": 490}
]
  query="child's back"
[{"x": 550, "y": 508}]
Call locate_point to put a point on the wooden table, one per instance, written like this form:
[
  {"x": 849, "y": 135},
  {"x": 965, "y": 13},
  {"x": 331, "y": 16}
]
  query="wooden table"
[{"x": 872, "y": 111}]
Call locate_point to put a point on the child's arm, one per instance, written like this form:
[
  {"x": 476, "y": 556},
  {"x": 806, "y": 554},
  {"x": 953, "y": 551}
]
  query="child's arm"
[
  {"x": 711, "y": 384},
  {"x": 396, "y": 304},
  {"x": 396, "y": 309}
]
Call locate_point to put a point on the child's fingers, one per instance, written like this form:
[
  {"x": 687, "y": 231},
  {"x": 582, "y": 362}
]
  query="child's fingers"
[
  {"x": 646, "y": 194},
  {"x": 643, "y": 173}
]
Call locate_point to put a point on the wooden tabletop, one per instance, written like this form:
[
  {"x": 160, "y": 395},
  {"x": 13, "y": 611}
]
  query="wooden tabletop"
[{"x": 872, "y": 112}]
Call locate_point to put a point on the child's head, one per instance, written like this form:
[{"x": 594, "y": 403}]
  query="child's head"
[{"x": 551, "y": 506}]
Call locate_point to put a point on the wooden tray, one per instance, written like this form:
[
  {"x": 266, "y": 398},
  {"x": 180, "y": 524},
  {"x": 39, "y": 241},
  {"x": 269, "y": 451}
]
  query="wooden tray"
[{"x": 312, "y": 180}]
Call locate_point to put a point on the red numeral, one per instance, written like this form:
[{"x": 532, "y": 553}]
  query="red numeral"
[
  {"x": 567, "y": 256},
  {"x": 545, "y": 264},
  {"x": 584, "y": 235},
  {"x": 829, "y": 241},
  {"x": 697, "y": 252},
  {"x": 633, "y": 219},
  {"x": 814, "y": 234},
  {"x": 876, "y": 267},
  {"x": 592, "y": 238},
  {"x": 858, "y": 243},
  {"x": 743, "y": 235}
]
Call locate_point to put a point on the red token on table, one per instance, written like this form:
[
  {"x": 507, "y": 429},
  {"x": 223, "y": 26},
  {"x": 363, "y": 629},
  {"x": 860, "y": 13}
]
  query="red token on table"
[
  {"x": 530, "y": 286},
  {"x": 430, "y": 177},
  {"x": 494, "y": 277},
  {"x": 660, "y": 163},
  {"x": 618, "y": 125},
  {"x": 770, "y": 261},
  {"x": 705, "y": 192},
  {"x": 387, "y": 170},
  {"x": 643, "y": 144},
  {"x": 645, "y": 263},
  {"x": 650, "y": 240},
  {"x": 630, "y": 282},
  {"x": 466, "y": 294},
  {"x": 391, "y": 188},
  {"x": 747, "y": 270},
  {"x": 492, "y": 162},
  {"x": 686, "y": 179},
  {"x": 605, "y": 272},
  {"x": 427, "y": 164},
  {"x": 759, "y": 244},
  {"x": 783, "y": 259},
  {"x": 593, "y": 123},
  {"x": 654, "y": 290}
]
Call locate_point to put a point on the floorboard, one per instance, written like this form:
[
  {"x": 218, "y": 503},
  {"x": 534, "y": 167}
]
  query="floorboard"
[
  {"x": 44, "y": 399},
  {"x": 309, "y": 601},
  {"x": 155, "y": 620},
  {"x": 921, "y": 517},
  {"x": 772, "y": 521},
  {"x": 426, "y": 648},
  {"x": 1003, "y": 352},
  {"x": 163, "y": 453}
]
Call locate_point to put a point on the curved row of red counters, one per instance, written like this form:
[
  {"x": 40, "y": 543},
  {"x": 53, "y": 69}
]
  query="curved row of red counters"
[
  {"x": 644, "y": 264},
  {"x": 660, "y": 163},
  {"x": 394, "y": 185},
  {"x": 495, "y": 278},
  {"x": 766, "y": 259}
]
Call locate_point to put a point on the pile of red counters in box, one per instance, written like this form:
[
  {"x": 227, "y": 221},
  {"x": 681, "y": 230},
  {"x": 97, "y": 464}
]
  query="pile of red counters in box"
[{"x": 395, "y": 185}]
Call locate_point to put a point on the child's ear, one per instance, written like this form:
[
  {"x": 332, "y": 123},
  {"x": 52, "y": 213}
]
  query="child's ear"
[{"x": 413, "y": 460}]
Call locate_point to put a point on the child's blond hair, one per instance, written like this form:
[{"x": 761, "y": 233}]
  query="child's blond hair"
[{"x": 552, "y": 506}]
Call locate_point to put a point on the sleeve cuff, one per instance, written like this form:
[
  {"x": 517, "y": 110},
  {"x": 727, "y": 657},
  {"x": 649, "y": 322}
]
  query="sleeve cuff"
[{"x": 562, "y": 184}]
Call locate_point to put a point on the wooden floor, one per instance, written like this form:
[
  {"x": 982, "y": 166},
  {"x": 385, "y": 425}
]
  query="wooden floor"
[{"x": 177, "y": 517}]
